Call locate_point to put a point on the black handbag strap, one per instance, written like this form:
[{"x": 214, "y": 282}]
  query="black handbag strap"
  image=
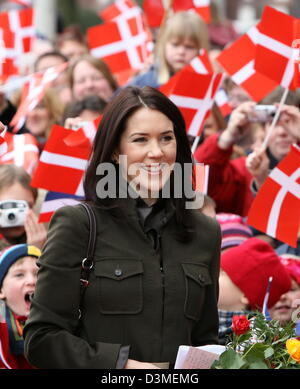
[{"x": 87, "y": 263}]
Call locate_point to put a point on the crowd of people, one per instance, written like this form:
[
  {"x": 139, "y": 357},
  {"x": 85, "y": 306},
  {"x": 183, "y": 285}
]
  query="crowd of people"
[{"x": 161, "y": 275}]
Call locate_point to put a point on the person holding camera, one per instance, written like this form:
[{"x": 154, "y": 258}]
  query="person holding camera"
[
  {"x": 153, "y": 283},
  {"x": 231, "y": 180},
  {"x": 18, "y": 222}
]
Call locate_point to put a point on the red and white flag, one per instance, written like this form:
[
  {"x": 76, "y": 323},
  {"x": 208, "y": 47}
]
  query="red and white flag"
[
  {"x": 8, "y": 56},
  {"x": 86, "y": 132},
  {"x": 296, "y": 52},
  {"x": 222, "y": 101},
  {"x": 25, "y": 3},
  {"x": 17, "y": 34},
  {"x": 200, "y": 64},
  {"x": 124, "y": 42},
  {"x": 33, "y": 91},
  {"x": 276, "y": 208},
  {"x": 61, "y": 167},
  {"x": 3, "y": 143},
  {"x": 201, "y": 172},
  {"x": 238, "y": 61},
  {"x": 202, "y": 7},
  {"x": 22, "y": 150},
  {"x": 194, "y": 95},
  {"x": 275, "y": 55},
  {"x": 154, "y": 9},
  {"x": 125, "y": 9},
  {"x": 53, "y": 201}
]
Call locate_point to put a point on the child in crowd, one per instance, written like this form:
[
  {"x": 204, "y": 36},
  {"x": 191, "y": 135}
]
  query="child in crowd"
[
  {"x": 18, "y": 273},
  {"x": 183, "y": 35},
  {"x": 234, "y": 230},
  {"x": 289, "y": 302},
  {"x": 244, "y": 278},
  {"x": 15, "y": 185}
]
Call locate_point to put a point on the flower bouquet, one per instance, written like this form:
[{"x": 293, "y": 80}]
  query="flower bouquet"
[{"x": 260, "y": 344}]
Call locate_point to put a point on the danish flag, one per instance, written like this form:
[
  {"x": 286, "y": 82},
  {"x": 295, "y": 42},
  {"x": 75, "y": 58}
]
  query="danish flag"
[
  {"x": 8, "y": 59},
  {"x": 33, "y": 91},
  {"x": 3, "y": 143},
  {"x": 21, "y": 150},
  {"x": 84, "y": 133},
  {"x": 238, "y": 61},
  {"x": 201, "y": 172},
  {"x": 222, "y": 102},
  {"x": 275, "y": 55},
  {"x": 194, "y": 95},
  {"x": 61, "y": 167},
  {"x": 202, "y": 65},
  {"x": 17, "y": 34},
  {"x": 154, "y": 9},
  {"x": 53, "y": 201},
  {"x": 26, "y": 3},
  {"x": 276, "y": 208},
  {"x": 122, "y": 42}
]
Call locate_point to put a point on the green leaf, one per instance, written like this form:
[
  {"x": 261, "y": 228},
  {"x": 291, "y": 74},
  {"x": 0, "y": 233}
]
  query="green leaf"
[
  {"x": 258, "y": 365},
  {"x": 269, "y": 352},
  {"x": 231, "y": 360}
]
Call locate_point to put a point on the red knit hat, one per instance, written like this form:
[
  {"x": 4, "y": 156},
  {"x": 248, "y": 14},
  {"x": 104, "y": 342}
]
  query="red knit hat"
[{"x": 249, "y": 267}]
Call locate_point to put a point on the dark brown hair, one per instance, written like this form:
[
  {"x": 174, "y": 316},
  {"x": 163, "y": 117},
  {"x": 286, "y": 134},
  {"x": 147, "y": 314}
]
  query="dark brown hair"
[{"x": 113, "y": 124}]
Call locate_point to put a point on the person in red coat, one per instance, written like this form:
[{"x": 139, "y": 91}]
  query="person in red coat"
[{"x": 234, "y": 182}]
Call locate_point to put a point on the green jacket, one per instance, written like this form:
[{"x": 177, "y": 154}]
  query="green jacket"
[{"x": 153, "y": 301}]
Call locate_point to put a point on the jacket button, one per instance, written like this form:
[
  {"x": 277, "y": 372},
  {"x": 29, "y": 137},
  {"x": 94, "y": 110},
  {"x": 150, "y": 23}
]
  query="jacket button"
[
  {"x": 201, "y": 277},
  {"x": 118, "y": 272}
]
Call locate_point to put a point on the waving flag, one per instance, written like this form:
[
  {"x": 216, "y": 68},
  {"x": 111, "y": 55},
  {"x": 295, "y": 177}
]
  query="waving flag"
[
  {"x": 21, "y": 150},
  {"x": 61, "y": 167},
  {"x": 84, "y": 133},
  {"x": 194, "y": 95},
  {"x": 17, "y": 34},
  {"x": 238, "y": 61},
  {"x": 120, "y": 9},
  {"x": 53, "y": 201},
  {"x": 275, "y": 55},
  {"x": 200, "y": 64},
  {"x": 25, "y": 3},
  {"x": 201, "y": 177},
  {"x": 222, "y": 102},
  {"x": 154, "y": 9},
  {"x": 276, "y": 208},
  {"x": 3, "y": 143},
  {"x": 122, "y": 42},
  {"x": 33, "y": 91},
  {"x": 8, "y": 56}
]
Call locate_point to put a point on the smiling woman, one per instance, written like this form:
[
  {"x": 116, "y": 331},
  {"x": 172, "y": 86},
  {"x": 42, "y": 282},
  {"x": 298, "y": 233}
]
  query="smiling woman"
[{"x": 153, "y": 283}]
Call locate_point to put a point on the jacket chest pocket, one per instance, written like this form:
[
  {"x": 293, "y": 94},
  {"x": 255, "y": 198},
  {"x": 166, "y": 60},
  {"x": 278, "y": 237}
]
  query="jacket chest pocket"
[
  {"x": 119, "y": 283},
  {"x": 197, "y": 277}
]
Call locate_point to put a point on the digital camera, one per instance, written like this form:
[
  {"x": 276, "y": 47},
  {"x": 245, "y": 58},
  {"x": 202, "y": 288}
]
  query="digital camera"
[
  {"x": 262, "y": 113},
  {"x": 12, "y": 213}
]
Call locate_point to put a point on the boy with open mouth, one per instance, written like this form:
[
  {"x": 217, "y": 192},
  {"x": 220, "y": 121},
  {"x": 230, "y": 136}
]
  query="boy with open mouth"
[{"x": 18, "y": 273}]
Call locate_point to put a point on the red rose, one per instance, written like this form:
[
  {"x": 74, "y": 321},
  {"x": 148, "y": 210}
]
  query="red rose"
[{"x": 240, "y": 324}]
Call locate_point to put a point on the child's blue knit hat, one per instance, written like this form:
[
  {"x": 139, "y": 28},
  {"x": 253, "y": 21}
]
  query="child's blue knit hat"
[{"x": 11, "y": 254}]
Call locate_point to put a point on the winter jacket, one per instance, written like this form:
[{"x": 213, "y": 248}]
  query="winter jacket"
[{"x": 152, "y": 300}]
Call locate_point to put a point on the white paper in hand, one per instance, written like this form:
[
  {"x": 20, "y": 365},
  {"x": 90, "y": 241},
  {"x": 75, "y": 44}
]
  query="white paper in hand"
[{"x": 201, "y": 357}]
